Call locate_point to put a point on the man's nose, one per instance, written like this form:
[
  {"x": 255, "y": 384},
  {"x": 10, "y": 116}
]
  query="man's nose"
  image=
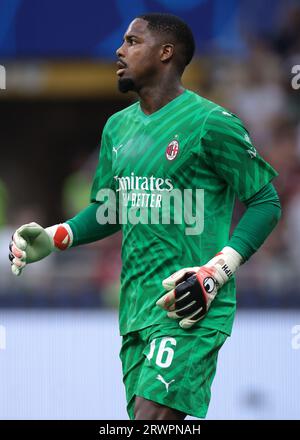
[{"x": 120, "y": 51}]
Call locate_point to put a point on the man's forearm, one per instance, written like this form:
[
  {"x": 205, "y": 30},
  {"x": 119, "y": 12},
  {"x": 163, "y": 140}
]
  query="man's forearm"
[
  {"x": 86, "y": 228},
  {"x": 191, "y": 290},
  {"x": 262, "y": 215},
  {"x": 31, "y": 242}
]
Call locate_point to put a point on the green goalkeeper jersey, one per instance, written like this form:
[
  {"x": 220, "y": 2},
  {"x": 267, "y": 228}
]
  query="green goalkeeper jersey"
[{"x": 175, "y": 174}]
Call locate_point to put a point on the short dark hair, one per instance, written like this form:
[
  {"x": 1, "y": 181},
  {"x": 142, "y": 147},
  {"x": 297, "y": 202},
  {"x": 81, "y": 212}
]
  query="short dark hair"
[{"x": 176, "y": 28}]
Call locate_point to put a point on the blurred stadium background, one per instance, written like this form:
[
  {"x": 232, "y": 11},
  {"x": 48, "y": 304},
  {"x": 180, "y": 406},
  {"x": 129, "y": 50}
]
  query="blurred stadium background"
[{"x": 59, "y": 349}]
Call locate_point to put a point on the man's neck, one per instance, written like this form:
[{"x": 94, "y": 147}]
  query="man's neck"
[{"x": 153, "y": 98}]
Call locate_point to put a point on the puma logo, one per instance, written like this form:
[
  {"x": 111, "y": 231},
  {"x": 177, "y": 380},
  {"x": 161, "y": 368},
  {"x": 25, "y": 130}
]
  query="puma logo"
[
  {"x": 116, "y": 149},
  {"x": 167, "y": 384}
]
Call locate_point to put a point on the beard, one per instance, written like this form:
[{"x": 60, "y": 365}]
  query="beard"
[{"x": 125, "y": 85}]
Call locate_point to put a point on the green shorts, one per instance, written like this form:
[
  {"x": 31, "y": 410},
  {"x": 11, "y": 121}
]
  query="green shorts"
[{"x": 171, "y": 366}]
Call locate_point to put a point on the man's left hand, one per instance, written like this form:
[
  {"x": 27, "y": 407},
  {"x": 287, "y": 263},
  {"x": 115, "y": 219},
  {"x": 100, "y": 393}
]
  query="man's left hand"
[{"x": 190, "y": 293}]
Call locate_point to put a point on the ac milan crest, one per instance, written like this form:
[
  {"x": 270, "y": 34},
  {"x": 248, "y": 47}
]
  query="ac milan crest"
[{"x": 172, "y": 150}]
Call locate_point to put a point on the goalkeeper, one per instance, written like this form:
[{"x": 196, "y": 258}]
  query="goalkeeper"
[{"x": 177, "y": 300}]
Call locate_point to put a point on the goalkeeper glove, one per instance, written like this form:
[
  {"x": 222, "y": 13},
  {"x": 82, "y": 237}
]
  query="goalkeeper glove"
[
  {"x": 192, "y": 290},
  {"x": 31, "y": 242}
]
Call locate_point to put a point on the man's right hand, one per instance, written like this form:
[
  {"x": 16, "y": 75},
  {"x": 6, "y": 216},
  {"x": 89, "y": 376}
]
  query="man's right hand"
[{"x": 31, "y": 242}]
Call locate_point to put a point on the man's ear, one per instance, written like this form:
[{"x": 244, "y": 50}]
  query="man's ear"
[{"x": 167, "y": 51}]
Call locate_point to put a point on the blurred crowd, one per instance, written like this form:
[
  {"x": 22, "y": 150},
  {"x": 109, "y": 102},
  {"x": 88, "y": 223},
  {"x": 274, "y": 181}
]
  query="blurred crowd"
[{"x": 257, "y": 86}]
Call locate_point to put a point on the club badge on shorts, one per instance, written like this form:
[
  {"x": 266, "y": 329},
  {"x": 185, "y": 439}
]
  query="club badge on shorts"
[{"x": 172, "y": 150}]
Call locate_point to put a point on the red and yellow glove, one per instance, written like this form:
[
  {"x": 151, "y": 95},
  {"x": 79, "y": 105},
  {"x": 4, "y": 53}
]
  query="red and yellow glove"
[{"x": 31, "y": 242}]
